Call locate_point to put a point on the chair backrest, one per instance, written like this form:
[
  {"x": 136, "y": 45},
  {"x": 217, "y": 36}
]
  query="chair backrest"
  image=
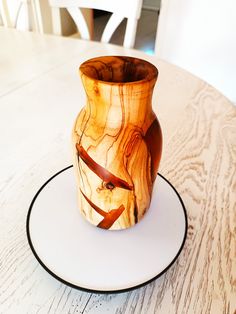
[
  {"x": 200, "y": 36},
  {"x": 21, "y": 14},
  {"x": 5, "y": 18},
  {"x": 130, "y": 9}
]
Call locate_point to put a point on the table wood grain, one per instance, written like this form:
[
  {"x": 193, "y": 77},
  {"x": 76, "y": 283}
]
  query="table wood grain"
[{"x": 40, "y": 96}]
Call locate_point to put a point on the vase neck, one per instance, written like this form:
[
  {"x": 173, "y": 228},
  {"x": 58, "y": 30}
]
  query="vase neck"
[
  {"x": 119, "y": 89},
  {"x": 119, "y": 103}
]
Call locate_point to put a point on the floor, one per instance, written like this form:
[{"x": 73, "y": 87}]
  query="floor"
[{"x": 146, "y": 30}]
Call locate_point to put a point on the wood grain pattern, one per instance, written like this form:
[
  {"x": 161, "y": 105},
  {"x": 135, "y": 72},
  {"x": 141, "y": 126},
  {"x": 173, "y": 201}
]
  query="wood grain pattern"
[
  {"x": 201, "y": 162},
  {"x": 40, "y": 94},
  {"x": 117, "y": 141}
]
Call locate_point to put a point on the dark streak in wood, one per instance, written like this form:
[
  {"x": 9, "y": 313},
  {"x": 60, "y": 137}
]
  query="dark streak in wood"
[
  {"x": 98, "y": 209},
  {"x": 154, "y": 146},
  {"x": 109, "y": 217},
  {"x": 100, "y": 171}
]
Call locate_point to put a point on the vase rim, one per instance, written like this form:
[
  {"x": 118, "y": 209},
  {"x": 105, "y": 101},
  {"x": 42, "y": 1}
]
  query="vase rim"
[{"x": 106, "y": 70}]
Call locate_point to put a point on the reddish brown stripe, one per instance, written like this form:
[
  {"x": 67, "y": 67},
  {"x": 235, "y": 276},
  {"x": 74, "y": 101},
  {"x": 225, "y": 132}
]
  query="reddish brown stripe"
[
  {"x": 153, "y": 140},
  {"x": 111, "y": 217},
  {"x": 98, "y": 210},
  {"x": 101, "y": 172}
]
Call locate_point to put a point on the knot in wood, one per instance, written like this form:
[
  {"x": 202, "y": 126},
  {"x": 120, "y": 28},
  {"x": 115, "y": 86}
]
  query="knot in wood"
[{"x": 109, "y": 185}]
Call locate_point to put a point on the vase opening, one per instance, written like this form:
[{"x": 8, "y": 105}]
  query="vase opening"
[{"x": 119, "y": 69}]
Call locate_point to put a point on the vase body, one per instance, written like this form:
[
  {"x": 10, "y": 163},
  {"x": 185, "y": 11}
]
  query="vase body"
[{"x": 117, "y": 141}]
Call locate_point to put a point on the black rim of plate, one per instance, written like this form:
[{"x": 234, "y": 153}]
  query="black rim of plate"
[{"x": 92, "y": 290}]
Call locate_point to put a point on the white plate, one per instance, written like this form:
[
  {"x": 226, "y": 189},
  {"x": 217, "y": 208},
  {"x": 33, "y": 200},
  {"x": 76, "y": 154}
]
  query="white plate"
[{"x": 89, "y": 258}]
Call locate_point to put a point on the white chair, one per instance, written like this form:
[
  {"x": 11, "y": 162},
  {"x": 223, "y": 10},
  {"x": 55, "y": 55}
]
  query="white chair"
[
  {"x": 5, "y": 18},
  {"x": 130, "y": 9},
  {"x": 21, "y": 14},
  {"x": 200, "y": 36}
]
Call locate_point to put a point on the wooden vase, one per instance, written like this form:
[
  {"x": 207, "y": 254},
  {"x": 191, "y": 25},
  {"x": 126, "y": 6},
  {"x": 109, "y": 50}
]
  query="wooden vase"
[{"x": 117, "y": 141}]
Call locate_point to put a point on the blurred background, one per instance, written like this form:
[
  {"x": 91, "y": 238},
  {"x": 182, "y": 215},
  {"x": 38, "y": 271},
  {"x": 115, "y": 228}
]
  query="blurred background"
[{"x": 197, "y": 35}]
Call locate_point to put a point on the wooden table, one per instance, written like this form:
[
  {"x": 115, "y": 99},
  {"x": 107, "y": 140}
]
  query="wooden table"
[{"x": 40, "y": 96}]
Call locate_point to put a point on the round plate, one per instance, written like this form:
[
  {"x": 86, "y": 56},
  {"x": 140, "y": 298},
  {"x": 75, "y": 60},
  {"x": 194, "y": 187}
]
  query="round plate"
[{"x": 93, "y": 259}]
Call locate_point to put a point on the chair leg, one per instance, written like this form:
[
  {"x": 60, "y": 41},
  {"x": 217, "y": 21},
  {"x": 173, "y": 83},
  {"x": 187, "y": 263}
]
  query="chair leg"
[{"x": 56, "y": 21}]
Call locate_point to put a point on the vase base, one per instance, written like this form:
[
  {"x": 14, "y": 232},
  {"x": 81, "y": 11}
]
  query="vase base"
[{"x": 92, "y": 259}]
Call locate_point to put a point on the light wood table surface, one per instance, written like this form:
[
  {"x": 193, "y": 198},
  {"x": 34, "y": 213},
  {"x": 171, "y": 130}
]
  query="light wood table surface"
[{"x": 40, "y": 96}]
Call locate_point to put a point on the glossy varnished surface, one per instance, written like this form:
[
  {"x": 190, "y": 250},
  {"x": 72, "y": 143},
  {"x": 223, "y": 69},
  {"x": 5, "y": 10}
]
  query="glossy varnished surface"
[
  {"x": 117, "y": 141},
  {"x": 40, "y": 97}
]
